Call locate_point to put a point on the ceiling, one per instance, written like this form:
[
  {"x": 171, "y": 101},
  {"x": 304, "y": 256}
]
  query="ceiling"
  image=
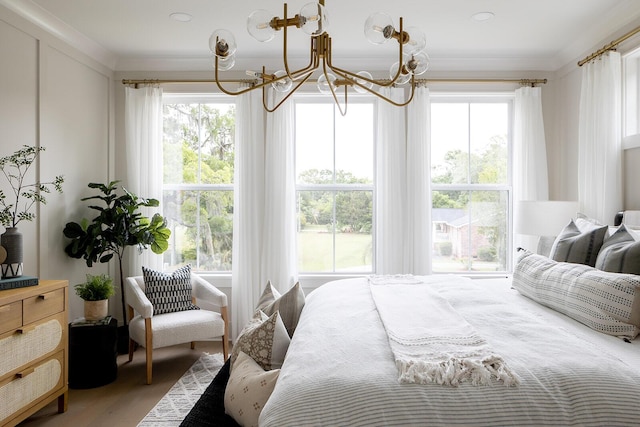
[{"x": 130, "y": 35}]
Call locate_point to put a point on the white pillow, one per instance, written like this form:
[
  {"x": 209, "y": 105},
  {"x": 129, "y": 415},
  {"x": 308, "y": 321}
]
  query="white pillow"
[
  {"x": 247, "y": 391},
  {"x": 606, "y": 302}
]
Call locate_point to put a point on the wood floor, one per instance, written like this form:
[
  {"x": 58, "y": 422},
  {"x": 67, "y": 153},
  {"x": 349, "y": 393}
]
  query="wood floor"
[{"x": 124, "y": 402}]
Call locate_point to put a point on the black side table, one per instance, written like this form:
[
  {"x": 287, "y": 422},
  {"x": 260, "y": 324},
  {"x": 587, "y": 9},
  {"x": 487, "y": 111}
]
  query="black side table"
[{"x": 93, "y": 354}]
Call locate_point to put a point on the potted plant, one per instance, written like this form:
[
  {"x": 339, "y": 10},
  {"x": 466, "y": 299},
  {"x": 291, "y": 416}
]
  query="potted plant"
[
  {"x": 95, "y": 292},
  {"x": 17, "y": 207},
  {"x": 118, "y": 225}
]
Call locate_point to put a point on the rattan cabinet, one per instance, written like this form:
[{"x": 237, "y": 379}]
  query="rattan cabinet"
[{"x": 33, "y": 349}]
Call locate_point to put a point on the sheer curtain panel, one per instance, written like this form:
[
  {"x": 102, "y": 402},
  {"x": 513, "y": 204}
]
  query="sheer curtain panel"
[
  {"x": 600, "y": 146},
  {"x": 279, "y": 255},
  {"x": 417, "y": 259},
  {"x": 143, "y": 132},
  {"x": 248, "y": 212}
]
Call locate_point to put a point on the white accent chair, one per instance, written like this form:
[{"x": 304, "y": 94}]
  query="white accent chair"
[{"x": 180, "y": 327}]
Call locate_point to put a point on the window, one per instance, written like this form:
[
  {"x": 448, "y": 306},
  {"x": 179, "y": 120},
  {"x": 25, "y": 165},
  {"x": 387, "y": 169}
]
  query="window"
[
  {"x": 471, "y": 185},
  {"x": 334, "y": 186},
  {"x": 198, "y": 155}
]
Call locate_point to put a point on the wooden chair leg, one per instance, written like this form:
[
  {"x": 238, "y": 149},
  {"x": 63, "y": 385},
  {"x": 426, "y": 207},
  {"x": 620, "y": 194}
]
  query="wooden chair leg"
[
  {"x": 131, "y": 342},
  {"x": 225, "y": 337},
  {"x": 148, "y": 335},
  {"x": 193, "y": 345}
]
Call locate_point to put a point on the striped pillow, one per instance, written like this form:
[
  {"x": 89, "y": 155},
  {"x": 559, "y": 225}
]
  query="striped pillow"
[
  {"x": 169, "y": 293},
  {"x": 606, "y": 302},
  {"x": 620, "y": 253},
  {"x": 269, "y": 295},
  {"x": 579, "y": 242},
  {"x": 290, "y": 306}
]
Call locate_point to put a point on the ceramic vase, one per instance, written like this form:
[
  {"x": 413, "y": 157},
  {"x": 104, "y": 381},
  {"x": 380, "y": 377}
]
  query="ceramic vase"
[{"x": 11, "y": 241}]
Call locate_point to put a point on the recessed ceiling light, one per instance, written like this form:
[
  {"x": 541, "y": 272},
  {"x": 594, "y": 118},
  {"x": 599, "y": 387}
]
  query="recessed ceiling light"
[
  {"x": 482, "y": 16},
  {"x": 181, "y": 17}
]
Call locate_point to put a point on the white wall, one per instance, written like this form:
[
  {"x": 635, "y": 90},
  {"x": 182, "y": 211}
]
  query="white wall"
[{"x": 61, "y": 100}]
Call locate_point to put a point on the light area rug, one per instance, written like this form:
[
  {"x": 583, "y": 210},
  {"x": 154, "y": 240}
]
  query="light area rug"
[{"x": 176, "y": 404}]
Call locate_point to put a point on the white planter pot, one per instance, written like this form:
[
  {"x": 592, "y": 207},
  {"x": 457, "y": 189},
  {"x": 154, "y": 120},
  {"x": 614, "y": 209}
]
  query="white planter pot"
[{"x": 96, "y": 310}]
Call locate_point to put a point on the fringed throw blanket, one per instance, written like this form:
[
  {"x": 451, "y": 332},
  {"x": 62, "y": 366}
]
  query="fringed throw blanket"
[{"x": 430, "y": 341}]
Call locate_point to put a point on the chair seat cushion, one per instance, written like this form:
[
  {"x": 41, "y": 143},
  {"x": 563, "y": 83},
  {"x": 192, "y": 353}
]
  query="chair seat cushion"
[{"x": 178, "y": 327}]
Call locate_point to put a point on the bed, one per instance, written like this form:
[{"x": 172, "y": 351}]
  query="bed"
[
  {"x": 565, "y": 332},
  {"x": 339, "y": 369}
]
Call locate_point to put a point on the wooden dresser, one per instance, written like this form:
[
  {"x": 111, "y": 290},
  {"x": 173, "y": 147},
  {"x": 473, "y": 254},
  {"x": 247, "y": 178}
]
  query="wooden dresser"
[{"x": 33, "y": 349}]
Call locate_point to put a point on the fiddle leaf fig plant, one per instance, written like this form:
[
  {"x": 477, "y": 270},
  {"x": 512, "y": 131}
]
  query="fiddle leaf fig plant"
[
  {"x": 119, "y": 224},
  {"x": 14, "y": 168}
]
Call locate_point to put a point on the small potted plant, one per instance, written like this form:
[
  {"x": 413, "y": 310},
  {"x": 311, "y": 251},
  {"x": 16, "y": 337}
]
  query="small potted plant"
[{"x": 95, "y": 292}]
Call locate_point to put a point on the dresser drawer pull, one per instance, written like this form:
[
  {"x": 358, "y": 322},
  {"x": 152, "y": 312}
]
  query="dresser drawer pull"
[
  {"x": 26, "y": 329},
  {"x": 46, "y": 296},
  {"x": 26, "y": 372},
  {"x": 5, "y": 308}
]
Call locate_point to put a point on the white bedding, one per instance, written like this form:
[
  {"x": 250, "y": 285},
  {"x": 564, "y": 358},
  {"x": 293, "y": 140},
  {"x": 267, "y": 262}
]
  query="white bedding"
[{"x": 339, "y": 369}]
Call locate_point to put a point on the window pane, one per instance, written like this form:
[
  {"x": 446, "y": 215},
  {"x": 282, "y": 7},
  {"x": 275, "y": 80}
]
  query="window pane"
[
  {"x": 201, "y": 224},
  {"x": 314, "y": 141},
  {"x": 354, "y": 145},
  {"x": 351, "y": 236},
  {"x": 469, "y": 231},
  {"x": 450, "y": 143},
  {"x": 488, "y": 136}
]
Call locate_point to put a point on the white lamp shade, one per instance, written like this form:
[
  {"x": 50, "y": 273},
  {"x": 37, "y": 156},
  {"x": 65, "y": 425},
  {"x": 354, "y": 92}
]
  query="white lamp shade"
[{"x": 543, "y": 218}]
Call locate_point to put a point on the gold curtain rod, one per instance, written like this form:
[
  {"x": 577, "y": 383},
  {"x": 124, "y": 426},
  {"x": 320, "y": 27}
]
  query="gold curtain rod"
[
  {"x": 610, "y": 46},
  {"x": 526, "y": 82}
]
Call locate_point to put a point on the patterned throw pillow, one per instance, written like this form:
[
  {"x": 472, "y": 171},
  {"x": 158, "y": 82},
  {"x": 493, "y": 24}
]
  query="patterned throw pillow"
[
  {"x": 265, "y": 342},
  {"x": 579, "y": 242},
  {"x": 606, "y": 302},
  {"x": 248, "y": 390},
  {"x": 290, "y": 306},
  {"x": 169, "y": 292},
  {"x": 620, "y": 253}
]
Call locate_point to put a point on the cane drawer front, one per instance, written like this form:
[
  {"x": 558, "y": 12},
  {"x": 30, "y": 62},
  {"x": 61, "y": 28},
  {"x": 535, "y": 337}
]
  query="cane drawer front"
[
  {"x": 42, "y": 305},
  {"x": 31, "y": 385},
  {"x": 10, "y": 316},
  {"x": 31, "y": 342}
]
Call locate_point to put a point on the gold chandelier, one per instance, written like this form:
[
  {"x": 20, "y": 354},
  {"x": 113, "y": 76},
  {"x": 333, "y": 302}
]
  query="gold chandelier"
[{"x": 312, "y": 19}]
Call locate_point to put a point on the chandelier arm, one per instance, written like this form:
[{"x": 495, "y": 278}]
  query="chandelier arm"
[
  {"x": 400, "y": 64},
  {"x": 333, "y": 92},
  {"x": 264, "y": 94},
  {"x": 228, "y": 92}
]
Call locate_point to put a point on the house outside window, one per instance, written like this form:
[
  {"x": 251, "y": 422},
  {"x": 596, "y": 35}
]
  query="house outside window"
[
  {"x": 198, "y": 164},
  {"x": 471, "y": 183}
]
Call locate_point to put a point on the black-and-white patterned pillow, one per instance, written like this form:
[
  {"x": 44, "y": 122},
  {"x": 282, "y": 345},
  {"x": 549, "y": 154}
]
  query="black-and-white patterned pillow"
[{"x": 169, "y": 293}]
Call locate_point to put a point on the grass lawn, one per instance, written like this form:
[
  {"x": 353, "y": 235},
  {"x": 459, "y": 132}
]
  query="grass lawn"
[{"x": 315, "y": 251}]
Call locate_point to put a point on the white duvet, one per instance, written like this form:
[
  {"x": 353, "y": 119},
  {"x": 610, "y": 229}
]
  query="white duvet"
[{"x": 339, "y": 369}]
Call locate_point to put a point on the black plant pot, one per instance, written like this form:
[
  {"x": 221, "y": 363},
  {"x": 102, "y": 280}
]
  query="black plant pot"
[{"x": 123, "y": 339}]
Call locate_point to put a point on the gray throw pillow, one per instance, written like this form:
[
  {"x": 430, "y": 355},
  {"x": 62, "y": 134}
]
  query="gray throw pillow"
[
  {"x": 620, "y": 253},
  {"x": 579, "y": 243}
]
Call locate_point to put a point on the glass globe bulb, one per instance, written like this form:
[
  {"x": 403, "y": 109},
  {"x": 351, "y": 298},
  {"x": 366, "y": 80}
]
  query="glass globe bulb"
[
  {"x": 224, "y": 64},
  {"x": 402, "y": 78},
  {"x": 283, "y": 85},
  {"x": 363, "y": 82},
  {"x": 378, "y": 28},
  {"x": 417, "y": 41},
  {"x": 325, "y": 82},
  {"x": 418, "y": 64},
  {"x": 222, "y": 43},
  {"x": 315, "y": 19},
  {"x": 258, "y": 25}
]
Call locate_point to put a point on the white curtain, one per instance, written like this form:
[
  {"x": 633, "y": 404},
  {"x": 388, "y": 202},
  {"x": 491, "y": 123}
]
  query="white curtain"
[
  {"x": 417, "y": 259},
  {"x": 143, "y": 133},
  {"x": 279, "y": 254},
  {"x": 390, "y": 184},
  {"x": 530, "y": 176},
  {"x": 248, "y": 212},
  {"x": 600, "y": 152}
]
